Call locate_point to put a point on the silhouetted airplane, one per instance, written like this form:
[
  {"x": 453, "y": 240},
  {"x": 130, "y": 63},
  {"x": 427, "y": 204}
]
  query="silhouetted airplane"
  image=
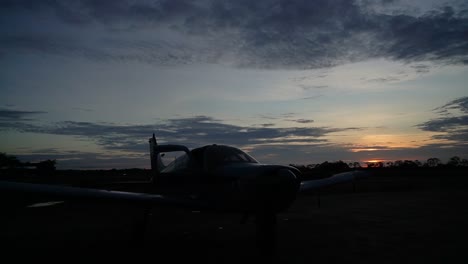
[{"x": 214, "y": 177}]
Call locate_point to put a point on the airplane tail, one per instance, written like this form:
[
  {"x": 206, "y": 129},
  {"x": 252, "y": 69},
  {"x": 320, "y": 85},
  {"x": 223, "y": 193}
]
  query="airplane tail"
[
  {"x": 153, "y": 143},
  {"x": 156, "y": 162},
  {"x": 157, "y": 165}
]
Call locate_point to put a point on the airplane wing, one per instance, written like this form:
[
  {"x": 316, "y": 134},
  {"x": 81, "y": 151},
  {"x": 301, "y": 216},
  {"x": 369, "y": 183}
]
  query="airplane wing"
[
  {"x": 67, "y": 193},
  {"x": 337, "y": 178}
]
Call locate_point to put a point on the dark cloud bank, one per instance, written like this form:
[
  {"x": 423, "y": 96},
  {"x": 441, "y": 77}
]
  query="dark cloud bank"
[
  {"x": 245, "y": 33},
  {"x": 193, "y": 131}
]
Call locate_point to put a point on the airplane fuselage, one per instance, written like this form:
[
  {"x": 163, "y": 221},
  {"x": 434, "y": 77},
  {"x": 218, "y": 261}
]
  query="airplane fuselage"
[{"x": 237, "y": 187}]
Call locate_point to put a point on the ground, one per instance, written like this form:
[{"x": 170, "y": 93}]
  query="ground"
[{"x": 384, "y": 219}]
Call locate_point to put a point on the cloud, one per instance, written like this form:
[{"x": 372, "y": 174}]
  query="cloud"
[
  {"x": 267, "y": 124},
  {"x": 310, "y": 87},
  {"x": 384, "y": 79},
  {"x": 46, "y": 44},
  {"x": 193, "y": 131},
  {"x": 421, "y": 68},
  {"x": 312, "y": 97},
  {"x": 302, "y": 121},
  {"x": 268, "y": 117},
  {"x": 459, "y": 104},
  {"x": 454, "y": 126},
  {"x": 361, "y": 148},
  {"x": 261, "y": 34},
  {"x": 433, "y": 36},
  {"x": 445, "y": 124},
  {"x": 156, "y": 52},
  {"x": 9, "y": 115}
]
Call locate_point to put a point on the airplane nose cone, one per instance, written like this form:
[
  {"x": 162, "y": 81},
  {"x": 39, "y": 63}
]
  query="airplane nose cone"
[{"x": 276, "y": 190}]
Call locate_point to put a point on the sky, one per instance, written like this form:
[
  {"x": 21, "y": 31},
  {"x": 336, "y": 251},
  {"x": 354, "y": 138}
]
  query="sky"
[{"x": 87, "y": 82}]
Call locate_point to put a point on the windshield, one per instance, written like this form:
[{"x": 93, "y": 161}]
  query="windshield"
[
  {"x": 237, "y": 155},
  {"x": 220, "y": 155},
  {"x": 209, "y": 157}
]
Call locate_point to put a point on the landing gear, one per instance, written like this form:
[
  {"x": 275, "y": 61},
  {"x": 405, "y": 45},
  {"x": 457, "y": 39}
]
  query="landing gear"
[
  {"x": 266, "y": 233},
  {"x": 140, "y": 226}
]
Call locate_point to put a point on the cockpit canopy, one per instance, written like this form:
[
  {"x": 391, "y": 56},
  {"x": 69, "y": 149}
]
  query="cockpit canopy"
[{"x": 208, "y": 158}]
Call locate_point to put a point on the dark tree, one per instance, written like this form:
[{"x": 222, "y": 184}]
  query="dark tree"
[
  {"x": 433, "y": 162},
  {"x": 9, "y": 162},
  {"x": 375, "y": 164},
  {"x": 410, "y": 164},
  {"x": 46, "y": 165},
  {"x": 454, "y": 161},
  {"x": 337, "y": 166},
  {"x": 406, "y": 164},
  {"x": 464, "y": 163}
]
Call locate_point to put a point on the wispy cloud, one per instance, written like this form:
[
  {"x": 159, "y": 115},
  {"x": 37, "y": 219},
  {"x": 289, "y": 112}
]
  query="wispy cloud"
[
  {"x": 457, "y": 104},
  {"x": 302, "y": 121},
  {"x": 384, "y": 79},
  {"x": 421, "y": 68},
  {"x": 267, "y": 124},
  {"x": 453, "y": 126},
  {"x": 311, "y": 87},
  {"x": 9, "y": 115},
  {"x": 312, "y": 97}
]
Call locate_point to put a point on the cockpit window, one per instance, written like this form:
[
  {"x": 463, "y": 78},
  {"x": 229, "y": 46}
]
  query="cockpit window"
[
  {"x": 178, "y": 164},
  {"x": 235, "y": 155},
  {"x": 208, "y": 157},
  {"x": 216, "y": 156}
]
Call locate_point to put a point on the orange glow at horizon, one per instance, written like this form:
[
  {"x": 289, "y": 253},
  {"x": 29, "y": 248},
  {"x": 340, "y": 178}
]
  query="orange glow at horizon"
[
  {"x": 381, "y": 142},
  {"x": 375, "y": 160},
  {"x": 393, "y": 141}
]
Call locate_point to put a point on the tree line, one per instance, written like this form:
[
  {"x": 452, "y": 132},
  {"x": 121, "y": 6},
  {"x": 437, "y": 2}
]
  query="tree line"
[
  {"x": 340, "y": 165},
  {"x": 12, "y": 162},
  {"x": 454, "y": 161}
]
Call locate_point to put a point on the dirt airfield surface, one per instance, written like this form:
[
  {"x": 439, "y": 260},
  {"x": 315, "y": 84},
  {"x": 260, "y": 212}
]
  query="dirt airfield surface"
[{"x": 384, "y": 219}]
